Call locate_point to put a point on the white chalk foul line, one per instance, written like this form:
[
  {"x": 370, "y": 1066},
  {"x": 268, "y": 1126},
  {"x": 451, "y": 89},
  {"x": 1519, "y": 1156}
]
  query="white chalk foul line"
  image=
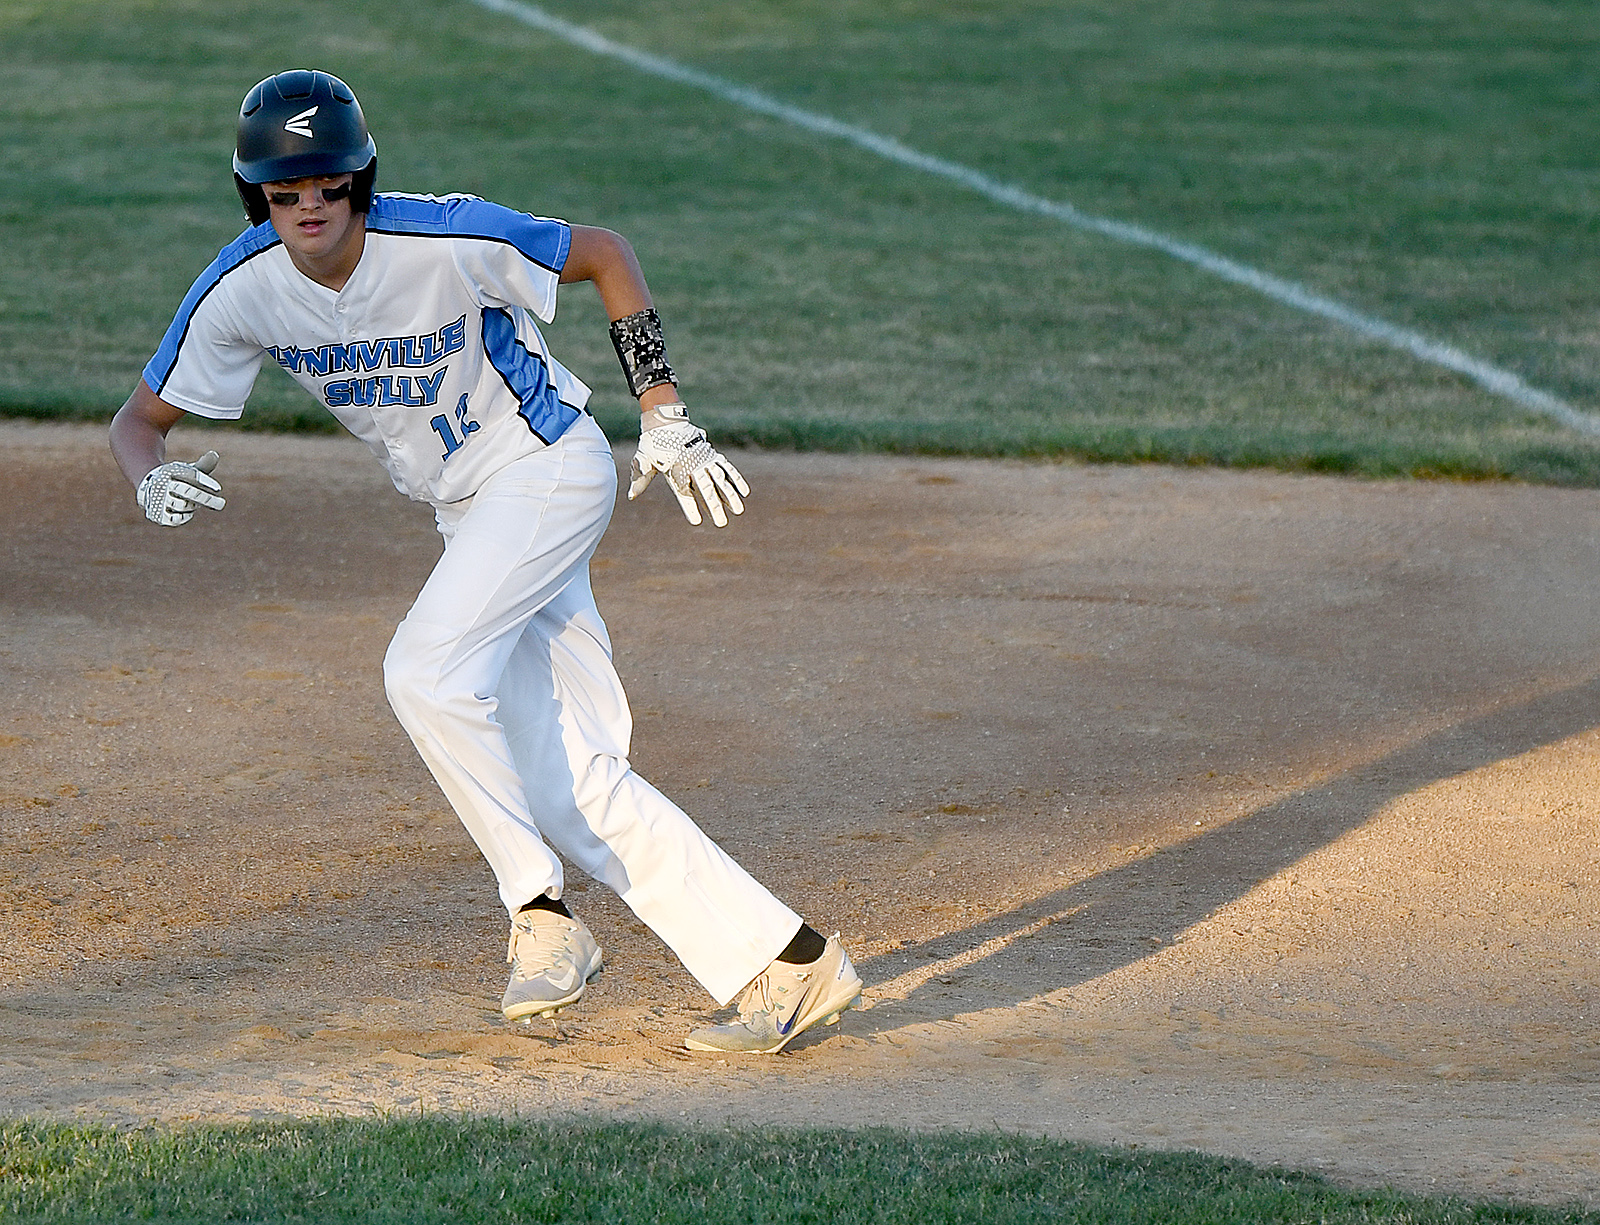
[{"x": 1491, "y": 378}]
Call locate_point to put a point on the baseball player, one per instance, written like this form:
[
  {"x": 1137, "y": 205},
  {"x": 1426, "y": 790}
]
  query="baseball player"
[{"x": 412, "y": 318}]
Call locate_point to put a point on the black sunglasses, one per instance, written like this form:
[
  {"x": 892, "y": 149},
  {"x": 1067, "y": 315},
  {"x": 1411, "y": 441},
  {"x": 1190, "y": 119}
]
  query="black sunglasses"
[{"x": 330, "y": 195}]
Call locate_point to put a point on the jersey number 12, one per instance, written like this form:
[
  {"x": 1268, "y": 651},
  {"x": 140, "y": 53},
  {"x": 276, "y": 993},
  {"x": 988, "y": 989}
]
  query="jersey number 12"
[{"x": 441, "y": 427}]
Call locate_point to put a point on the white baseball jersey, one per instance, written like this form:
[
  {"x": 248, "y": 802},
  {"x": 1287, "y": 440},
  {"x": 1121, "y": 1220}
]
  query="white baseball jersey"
[{"x": 429, "y": 354}]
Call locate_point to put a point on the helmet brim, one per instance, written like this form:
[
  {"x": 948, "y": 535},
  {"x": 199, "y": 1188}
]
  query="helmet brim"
[{"x": 307, "y": 165}]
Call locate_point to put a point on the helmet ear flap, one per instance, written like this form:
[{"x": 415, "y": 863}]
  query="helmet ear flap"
[
  {"x": 254, "y": 199},
  {"x": 361, "y": 184}
]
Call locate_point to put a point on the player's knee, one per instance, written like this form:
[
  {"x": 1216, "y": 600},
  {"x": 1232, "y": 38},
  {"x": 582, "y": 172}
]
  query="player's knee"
[
  {"x": 595, "y": 780},
  {"x": 411, "y": 672}
]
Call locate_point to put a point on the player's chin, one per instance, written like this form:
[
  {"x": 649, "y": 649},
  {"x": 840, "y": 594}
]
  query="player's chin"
[{"x": 312, "y": 242}]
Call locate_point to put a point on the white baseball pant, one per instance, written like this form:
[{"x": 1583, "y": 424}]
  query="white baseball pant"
[{"x": 501, "y": 673}]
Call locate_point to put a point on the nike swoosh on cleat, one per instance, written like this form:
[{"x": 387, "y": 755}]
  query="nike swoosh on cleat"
[{"x": 785, "y": 1027}]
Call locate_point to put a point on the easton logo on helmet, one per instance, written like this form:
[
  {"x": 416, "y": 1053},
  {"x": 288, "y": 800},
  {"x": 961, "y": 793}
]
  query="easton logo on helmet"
[{"x": 300, "y": 125}]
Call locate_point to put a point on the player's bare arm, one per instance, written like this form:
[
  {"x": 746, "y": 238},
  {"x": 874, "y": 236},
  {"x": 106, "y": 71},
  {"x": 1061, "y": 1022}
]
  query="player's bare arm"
[
  {"x": 139, "y": 432},
  {"x": 668, "y": 441},
  {"x": 168, "y": 493},
  {"x": 606, "y": 258}
]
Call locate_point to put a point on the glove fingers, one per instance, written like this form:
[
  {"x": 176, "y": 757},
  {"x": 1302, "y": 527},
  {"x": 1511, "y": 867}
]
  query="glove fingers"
[
  {"x": 726, "y": 489},
  {"x": 684, "y": 492},
  {"x": 639, "y": 478},
  {"x": 181, "y": 497},
  {"x": 198, "y": 478},
  {"x": 691, "y": 511},
  {"x": 708, "y": 493},
  {"x": 181, "y": 491},
  {"x": 208, "y": 462},
  {"x": 739, "y": 482}
]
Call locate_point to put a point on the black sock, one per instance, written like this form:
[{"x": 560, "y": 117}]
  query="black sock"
[
  {"x": 805, "y": 948},
  {"x": 545, "y": 902}
]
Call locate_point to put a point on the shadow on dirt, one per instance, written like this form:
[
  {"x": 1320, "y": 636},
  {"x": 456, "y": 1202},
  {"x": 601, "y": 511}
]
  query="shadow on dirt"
[
  {"x": 1059, "y": 940},
  {"x": 1117, "y": 917}
]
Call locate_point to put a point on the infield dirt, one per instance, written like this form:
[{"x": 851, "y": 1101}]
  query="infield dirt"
[{"x": 1235, "y": 811}]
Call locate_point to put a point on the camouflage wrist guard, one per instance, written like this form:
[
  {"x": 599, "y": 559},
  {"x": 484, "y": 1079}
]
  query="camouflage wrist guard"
[{"x": 642, "y": 350}]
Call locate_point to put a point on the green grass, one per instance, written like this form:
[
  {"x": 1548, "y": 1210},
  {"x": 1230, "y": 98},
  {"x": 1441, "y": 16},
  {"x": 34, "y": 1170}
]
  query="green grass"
[
  {"x": 1429, "y": 163},
  {"x": 452, "y": 1170}
]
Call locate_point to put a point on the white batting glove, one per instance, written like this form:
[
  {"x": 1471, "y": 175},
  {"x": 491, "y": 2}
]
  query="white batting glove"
[
  {"x": 172, "y": 493},
  {"x": 669, "y": 442}
]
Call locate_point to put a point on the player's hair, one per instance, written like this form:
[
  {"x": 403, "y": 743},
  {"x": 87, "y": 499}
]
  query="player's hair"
[{"x": 302, "y": 124}]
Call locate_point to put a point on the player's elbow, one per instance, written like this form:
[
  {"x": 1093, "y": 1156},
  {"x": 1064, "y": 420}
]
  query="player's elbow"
[{"x": 597, "y": 253}]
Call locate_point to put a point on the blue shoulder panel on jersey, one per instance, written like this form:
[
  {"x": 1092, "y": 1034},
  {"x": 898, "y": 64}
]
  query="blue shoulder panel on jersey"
[
  {"x": 247, "y": 246},
  {"x": 543, "y": 240},
  {"x": 525, "y": 374}
]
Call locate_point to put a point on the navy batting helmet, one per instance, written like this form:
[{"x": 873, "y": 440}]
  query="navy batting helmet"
[{"x": 299, "y": 125}]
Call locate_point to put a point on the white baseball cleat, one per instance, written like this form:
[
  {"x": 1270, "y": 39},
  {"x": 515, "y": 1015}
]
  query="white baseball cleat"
[
  {"x": 783, "y": 1002},
  {"x": 552, "y": 958}
]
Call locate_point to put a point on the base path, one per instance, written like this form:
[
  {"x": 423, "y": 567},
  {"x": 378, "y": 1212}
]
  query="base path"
[{"x": 1223, "y": 810}]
